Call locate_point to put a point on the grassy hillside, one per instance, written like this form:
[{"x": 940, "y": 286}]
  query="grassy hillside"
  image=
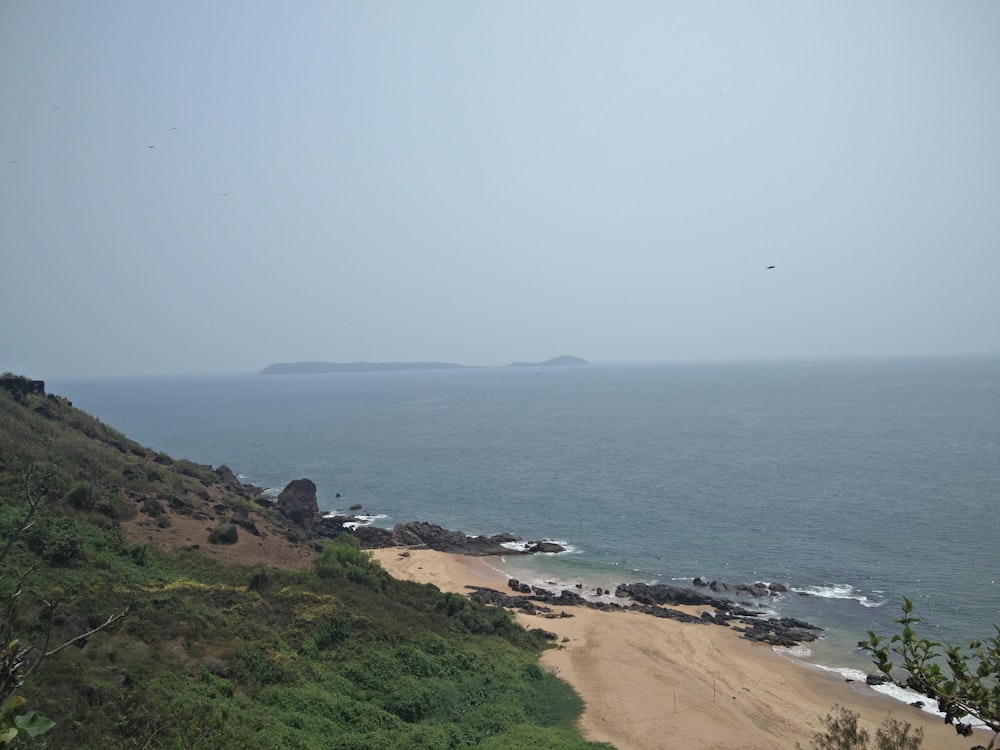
[{"x": 272, "y": 641}]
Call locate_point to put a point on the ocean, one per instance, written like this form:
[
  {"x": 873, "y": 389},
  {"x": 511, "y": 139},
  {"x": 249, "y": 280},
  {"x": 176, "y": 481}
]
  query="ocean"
[{"x": 855, "y": 483}]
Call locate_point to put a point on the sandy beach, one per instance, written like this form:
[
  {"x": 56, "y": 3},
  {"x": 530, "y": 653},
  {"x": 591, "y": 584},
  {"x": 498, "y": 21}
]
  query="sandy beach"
[{"x": 650, "y": 683}]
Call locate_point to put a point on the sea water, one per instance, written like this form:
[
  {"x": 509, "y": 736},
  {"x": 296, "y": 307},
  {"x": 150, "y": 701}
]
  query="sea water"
[{"x": 855, "y": 483}]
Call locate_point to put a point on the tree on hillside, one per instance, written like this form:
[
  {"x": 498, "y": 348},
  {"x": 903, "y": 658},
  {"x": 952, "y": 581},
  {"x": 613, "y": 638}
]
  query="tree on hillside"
[
  {"x": 18, "y": 659},
  {"x": 964, "y": 680}
]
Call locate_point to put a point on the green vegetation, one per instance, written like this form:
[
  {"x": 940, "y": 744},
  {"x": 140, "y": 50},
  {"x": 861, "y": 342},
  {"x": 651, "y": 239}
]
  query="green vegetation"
[
  {"x": 209, "y": 654},
  {"x": 964, "y": 680},
  {"x": 841, "y": 731}
]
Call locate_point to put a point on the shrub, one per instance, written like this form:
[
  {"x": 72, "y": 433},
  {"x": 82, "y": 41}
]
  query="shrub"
[
  {"x": 344, "y": 559},
  {"x": 842, "y": 732}
]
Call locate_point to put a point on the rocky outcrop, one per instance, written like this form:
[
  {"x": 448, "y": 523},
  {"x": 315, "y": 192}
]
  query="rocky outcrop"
[
  {"x": 297, "y": 502},
  {"x": 784, "y": 631},
  {"x": 650, "y": 599},
  {"x": 758, "y": 590},
  {"x": 660, "y": 593},
  {"x": 431, "y": 536},
  {"x": 21, "y": 386}
]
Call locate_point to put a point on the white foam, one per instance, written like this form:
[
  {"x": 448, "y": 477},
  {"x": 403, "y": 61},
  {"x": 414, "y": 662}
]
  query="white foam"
[
  {"x": 794, "y": 652},
  {"x": 929, "y": 704},
  {"x": 840, "y": 591},
  {"x": 901, "y": 694},
  {"x": 360, "y": 520}
]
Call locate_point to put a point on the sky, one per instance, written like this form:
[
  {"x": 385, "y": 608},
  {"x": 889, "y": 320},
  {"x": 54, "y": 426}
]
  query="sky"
[{"x": 192, "y": 187}]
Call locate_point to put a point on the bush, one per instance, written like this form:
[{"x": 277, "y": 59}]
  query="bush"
[
  {"x": 842, "y": 732},
  {"x": 345, "y": 559}
]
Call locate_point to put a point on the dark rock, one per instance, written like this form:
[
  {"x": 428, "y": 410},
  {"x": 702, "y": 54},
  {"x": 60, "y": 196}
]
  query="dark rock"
[
  {"x": 356, "y": 506},
  {"x": 661, "y": 593},
  {"x": 224, "y": 535},
  {"x": 246, "y": 524},
  {"x": 876, "y": 679},
  {"x": 152, "y": 507},
  {"x": 226, "y": 475},
  {"x": 369, "y": 537},
  {"x": 499, "y": 599},
  {"x": 778, "y": 588},
  {"x": 21, "y": 386},
  {"x": 545, "y": 547},
  {"x": 216, "y": 666},
  {"x": 785, "y": 631},
  {"x": 45, "y": 411},
  {"x": 432, "y": 536},
  {"x": 297, "y": 502}
]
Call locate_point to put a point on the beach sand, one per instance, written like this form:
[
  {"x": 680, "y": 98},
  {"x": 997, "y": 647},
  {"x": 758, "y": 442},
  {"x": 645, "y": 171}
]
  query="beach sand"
[{"x": 650, "y": 683}]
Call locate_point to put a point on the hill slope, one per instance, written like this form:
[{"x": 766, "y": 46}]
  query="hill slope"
[{"x": 272, "y": 640}]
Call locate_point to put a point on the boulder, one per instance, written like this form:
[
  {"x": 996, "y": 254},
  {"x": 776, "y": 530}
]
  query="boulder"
[
  {"x": 226, "y": 474},
  {"x": 549, "y": 547},
  {"x": 228, "y": 534},
  {"x": 297, "y": 502}
]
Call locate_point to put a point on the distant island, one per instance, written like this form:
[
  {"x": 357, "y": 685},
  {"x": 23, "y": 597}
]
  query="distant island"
[
  {"x": 314, "y": 368},
  {"x": 564, "y": 361}
]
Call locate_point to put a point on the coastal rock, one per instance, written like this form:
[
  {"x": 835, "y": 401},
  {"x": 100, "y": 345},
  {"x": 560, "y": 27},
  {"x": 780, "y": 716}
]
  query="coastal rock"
[
  {"x": 297, "y": 502},
  {"x": 226, "y": 475},
  {"x": 545, "y": 547},
  {"x": 758, "y": 590},
  {"x": 432, "y": 536},
  {"x": 369, "y": 537},
  {"x": 784, "y": 631},
  {"x": 876, "y": 679},
  {"x": 661, "y": 593}
]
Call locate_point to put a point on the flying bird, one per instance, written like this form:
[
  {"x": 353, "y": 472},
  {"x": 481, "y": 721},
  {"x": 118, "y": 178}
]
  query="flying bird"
[{"x": 769, "y": 268}]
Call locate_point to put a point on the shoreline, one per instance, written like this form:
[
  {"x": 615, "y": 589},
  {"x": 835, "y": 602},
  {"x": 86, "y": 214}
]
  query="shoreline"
[{"x": 649, "y": 682}]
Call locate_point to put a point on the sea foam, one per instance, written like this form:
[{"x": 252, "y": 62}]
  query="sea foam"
[{"x": 840, "y": 591}]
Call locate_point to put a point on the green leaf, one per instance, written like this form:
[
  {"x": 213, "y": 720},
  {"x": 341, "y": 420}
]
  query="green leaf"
[{"x": 33, "y": 724}]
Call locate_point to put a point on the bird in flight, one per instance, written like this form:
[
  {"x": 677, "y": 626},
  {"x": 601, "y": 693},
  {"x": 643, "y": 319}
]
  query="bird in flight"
[{"x": 769, "y": 268}]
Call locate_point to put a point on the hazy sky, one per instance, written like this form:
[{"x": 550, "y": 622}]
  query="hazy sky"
[{"x": 195, "y": 187}]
